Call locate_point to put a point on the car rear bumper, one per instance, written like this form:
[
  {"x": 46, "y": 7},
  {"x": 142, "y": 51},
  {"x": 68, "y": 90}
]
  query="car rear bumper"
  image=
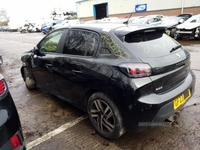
[
  {"x": 9, "y": 124},
  {"x": 155, "y": 108},
  {"x": 8, "y": 145}
]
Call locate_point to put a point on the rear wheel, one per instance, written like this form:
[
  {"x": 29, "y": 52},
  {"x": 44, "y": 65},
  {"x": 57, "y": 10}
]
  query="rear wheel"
[
  {"x": 30, "y": 83},
  {"x": 105, "y": 116}
]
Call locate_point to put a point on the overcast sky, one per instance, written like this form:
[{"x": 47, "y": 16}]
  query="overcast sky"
[{"x": 23, "y": 9}]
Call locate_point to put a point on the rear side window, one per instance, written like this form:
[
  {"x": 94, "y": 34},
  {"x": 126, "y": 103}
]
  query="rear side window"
[
  {"x": 149, "y": 44},
  {"x": 80, "y": 42}
]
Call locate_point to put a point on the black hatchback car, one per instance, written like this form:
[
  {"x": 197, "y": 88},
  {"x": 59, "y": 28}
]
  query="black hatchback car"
[
  {"x": 122, "y": 75},
  {"x": 11, "y": 137}
]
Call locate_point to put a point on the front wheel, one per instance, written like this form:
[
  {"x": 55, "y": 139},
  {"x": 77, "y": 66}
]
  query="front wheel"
[
  {"x": 173, "y": 33},
  {"x": 23, "y": 31},
  {"x": 30, "y": 83},
  {"x": 104, "y": 116}
]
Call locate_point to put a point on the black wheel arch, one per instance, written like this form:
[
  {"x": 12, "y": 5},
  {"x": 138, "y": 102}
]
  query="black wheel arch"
[
  {"x": 29, "y": 71},
  {"x": 111, "y": 93},
  {"x": 122, "y": 101},
  {"x": 22, "y": 72}
]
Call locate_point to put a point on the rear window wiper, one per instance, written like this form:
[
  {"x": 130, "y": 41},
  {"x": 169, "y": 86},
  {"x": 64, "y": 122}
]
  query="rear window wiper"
[{"x": 175, "y": 48}]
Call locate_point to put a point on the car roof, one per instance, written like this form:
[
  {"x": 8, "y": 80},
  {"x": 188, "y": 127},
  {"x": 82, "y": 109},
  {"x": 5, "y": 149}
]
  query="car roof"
[
  {"x": 95, "y": 26},
  {"x": 119, "y": 28},
  {"x": 172, "y": 18}
]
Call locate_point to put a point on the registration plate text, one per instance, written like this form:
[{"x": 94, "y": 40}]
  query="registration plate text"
[{"x": 181, "y": 99}]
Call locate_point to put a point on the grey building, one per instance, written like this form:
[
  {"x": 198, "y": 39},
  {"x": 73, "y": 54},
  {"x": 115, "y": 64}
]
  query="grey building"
[{"x": 98, "y": 9}]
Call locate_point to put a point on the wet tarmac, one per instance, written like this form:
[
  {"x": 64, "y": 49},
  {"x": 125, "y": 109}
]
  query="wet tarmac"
[{"x": 41, "y": 113}]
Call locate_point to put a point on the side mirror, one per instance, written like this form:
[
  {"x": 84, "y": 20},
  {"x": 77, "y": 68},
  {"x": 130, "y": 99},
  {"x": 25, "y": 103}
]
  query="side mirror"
[
  {"x": 181, "y": 21},
  {"x": 35, "y": 50}
]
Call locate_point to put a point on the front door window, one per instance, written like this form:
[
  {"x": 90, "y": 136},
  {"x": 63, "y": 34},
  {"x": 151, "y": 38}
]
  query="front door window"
[{"x": 50, "y": 43}]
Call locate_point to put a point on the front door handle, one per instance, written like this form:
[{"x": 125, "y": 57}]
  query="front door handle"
[
  {"x": 49, "y": 65},
  {"x": 77, "y": 72}
]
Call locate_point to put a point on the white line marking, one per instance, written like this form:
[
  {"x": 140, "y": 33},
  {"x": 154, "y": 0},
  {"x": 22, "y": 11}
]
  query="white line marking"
[{"x": 54, "y": 133}]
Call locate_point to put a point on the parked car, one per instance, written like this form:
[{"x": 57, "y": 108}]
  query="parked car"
[
  {"x": 28, "y": 27},
  {"x": 3, "y": 28},
  {"x": 126, "y": 20},
  {"x": 170, "y": 23},
  {"x": 58, "y": 25},
  {"x": 133, "y": 19},
  {"x": 120, "y": 75},
  {"x": 38, "y": 26},
  {"x": 152, "y": 20},
  {"x": 190, "y": 29},
  {"x": 48, "y": 27},
  {"x": 65, "y": 23},
  {"x": 160, "y": 16},
  {"x": 10, "y": 127}
]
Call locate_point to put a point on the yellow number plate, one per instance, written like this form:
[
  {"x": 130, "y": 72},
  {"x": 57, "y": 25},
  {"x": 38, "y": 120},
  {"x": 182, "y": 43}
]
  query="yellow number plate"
[{"x": 181, "y": 99}]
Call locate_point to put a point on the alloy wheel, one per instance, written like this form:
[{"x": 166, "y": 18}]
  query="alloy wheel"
[{"x": 102, "y": 116}]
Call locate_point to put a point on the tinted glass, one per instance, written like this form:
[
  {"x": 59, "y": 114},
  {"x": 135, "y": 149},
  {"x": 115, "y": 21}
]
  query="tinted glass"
[
  {"x": 81, "y": 42},
  {"x": 50, "y": 43},
  {"x": 104, "y": 49},
  {"x": 150, "y": 44}
]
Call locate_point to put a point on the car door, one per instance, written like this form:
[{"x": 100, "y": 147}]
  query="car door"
[
  {"x": 73, "y": 66},
  {"x": 42, "y": 62}
]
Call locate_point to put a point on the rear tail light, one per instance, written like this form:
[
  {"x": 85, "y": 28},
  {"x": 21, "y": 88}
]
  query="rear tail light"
[
  {"x": 136, "y": 70},
  {"x": 15, "y": 141},
  {"x": 2, "y": 87}
]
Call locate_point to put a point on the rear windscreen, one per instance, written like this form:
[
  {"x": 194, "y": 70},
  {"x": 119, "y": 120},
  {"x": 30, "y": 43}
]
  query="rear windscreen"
[{"x": 149, "y": 44}]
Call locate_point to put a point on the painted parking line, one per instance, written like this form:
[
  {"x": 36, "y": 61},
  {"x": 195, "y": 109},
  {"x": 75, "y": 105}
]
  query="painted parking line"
[{"x": 54, "y": 133}]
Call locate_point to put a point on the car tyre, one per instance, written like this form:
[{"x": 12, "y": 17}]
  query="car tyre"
[
  {"x": 23, "y": 31},
  {"x": 105, "y": 116},
  {"x": 30, "y": 83},
  {"x": 172, "y": 33}
]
